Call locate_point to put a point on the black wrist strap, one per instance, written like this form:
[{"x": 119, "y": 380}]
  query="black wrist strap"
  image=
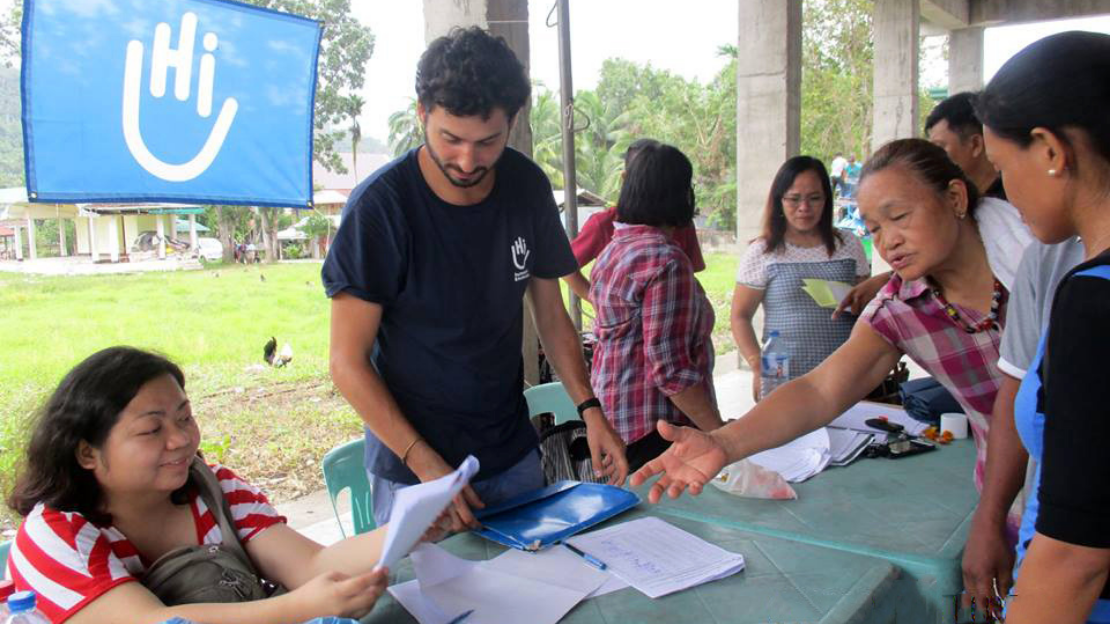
[{"x": 587, "y": 404}]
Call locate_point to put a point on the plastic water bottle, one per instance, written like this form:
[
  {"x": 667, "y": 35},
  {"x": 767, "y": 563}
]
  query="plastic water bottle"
[
  {"x": 774, "y": 364},
  {"x": 21, "y": 606}
]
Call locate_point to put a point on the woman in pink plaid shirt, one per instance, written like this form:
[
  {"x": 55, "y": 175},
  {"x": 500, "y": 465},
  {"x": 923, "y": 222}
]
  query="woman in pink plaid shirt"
[
  {"x": 654, "y": 356},
  {"x": 944, "y": 308}
]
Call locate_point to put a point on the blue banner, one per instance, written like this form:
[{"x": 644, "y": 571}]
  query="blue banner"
[{"x": 191, "y": 101}]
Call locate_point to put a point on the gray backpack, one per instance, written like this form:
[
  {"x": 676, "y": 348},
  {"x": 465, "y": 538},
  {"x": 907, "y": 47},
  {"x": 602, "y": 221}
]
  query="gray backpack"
[{"x": 209, "y": 572}]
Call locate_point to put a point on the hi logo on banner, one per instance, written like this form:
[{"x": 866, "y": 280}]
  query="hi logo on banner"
[{"x": 180, "y": 59}]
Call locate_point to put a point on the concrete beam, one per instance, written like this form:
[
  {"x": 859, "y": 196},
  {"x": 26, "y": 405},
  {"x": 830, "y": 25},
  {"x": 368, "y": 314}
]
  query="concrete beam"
[
  {"x": 768, "y": 102},
  {"x": 896, "y": 24},
  {"x": 947, "y": 14},
  {"x": 998, "y": 12},
  {"x": 965, "y": 60}
]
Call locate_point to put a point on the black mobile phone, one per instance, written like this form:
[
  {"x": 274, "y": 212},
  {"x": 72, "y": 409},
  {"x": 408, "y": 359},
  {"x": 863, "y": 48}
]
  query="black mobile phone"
[{"x": 907, "y": 447}]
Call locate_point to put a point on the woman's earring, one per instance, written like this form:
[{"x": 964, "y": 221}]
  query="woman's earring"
[
  {"x": 1053, "y": 173},
  {"x": 961, "y": 215}
]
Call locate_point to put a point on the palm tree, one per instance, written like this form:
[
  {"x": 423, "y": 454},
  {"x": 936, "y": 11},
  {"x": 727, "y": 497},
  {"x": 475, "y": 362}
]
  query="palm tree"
[
  {"x": 405, "y": 130},
  {"x": 547, "y": 139},
  {"x": 353, "y": 108}
]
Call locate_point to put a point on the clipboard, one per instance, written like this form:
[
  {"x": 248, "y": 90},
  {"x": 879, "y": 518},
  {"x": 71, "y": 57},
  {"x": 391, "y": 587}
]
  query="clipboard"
[{"x": 541, "y": 518}]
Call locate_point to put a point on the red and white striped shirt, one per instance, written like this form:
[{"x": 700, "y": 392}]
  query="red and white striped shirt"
[{"x": 69, "y": 562}]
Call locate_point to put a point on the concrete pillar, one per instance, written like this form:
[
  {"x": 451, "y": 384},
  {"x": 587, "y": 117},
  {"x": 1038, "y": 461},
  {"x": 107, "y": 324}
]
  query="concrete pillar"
[
  {"x": 160, "y": 230},
  {"x": 94, "y": 251},
  {"x": 193, "y": 232},
  {"x": 768, "y": 103},
  {"x": 62, "y": 237},
  {"x": 31, "y": 239},
  {"x": 18, "y": 242},
  {"x": 897, "y": 44},
  {"x": 113, "y": 237},
  {"x": 965, "y": 60}
]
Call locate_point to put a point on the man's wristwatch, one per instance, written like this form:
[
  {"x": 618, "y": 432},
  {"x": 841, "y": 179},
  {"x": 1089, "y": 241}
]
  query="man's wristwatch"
[{"x": 587, "y": 404}]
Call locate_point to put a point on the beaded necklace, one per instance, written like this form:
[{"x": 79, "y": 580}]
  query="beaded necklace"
[{"x": 991, "y": 321}]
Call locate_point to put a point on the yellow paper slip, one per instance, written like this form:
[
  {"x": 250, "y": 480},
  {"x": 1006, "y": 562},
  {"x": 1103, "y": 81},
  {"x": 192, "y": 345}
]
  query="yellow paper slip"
[{"x": 826, "y": 293}]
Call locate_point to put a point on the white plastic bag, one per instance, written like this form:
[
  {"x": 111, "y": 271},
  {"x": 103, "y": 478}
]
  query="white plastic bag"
[{"x": 749, "y": 480}]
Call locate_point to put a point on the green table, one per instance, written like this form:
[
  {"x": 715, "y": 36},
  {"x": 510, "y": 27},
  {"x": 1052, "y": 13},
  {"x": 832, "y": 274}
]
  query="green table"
[
  {"x": 783, "y": 581},
  {"x": 914, "y": 512}
]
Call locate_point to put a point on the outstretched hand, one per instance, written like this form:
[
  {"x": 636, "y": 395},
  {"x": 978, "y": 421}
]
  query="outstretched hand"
[{"x": 693, "y": 459}]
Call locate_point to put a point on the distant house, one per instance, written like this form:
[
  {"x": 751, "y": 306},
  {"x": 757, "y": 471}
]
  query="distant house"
[{"x": 329, "y": 180}]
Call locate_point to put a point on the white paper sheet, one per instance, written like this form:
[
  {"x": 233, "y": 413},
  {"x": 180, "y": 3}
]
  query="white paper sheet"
[
  {"x": 556, "y": 565},
  {"x": 799, "y": 459},
  {"x": 846, "y": 445},
  {"x": 499, "y": 591},
  {"x": 658, "y": 558},
  {"x": 415, "y": 508},
  {"x": 856, "y": 416}
]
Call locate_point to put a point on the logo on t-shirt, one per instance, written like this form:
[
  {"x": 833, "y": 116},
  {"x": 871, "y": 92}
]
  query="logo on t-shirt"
[{"x": 520, "y": 252}]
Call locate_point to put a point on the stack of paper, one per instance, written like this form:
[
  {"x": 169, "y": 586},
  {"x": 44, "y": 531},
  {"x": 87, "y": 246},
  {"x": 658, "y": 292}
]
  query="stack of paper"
[
  {"x": 658, "y": 558},
  {"x": 826, "y": 293},
  {"x": 845, "y": 445},
  {"x": 537, "y": 588},
  {"x": 798, "y": 459},
  {"x": 856, "y": 416},
  {"x": 415, "y": 508}
]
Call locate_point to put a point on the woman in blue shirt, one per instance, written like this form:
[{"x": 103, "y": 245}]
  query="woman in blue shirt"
[{"x": 1047, "y": 132}]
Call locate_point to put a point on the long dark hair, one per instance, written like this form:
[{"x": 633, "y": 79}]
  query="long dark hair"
[
  {"x": 774, "y": 219},
  {"x": 1059, "y": 82},
  {"x": 84, "y": 407},
  {"x": 658, "y": 189},
  {"x": 930, "y": 163}
]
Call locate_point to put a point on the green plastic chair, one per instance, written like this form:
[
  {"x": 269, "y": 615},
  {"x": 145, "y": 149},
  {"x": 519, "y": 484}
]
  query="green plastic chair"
[
  {"x": 344, "y": 469},
  {"x": 551, "y": 397},
  {"x": 4, "y": 548}
]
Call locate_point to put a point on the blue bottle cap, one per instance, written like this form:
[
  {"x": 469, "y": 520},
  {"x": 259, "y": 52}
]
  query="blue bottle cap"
[
  {"x": 21, "y": 601},
  {"x": 774, "y": 333}
]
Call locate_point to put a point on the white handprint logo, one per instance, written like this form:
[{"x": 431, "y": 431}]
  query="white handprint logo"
[
  {"x": 520, "y": 253},
  {"x": 519, "y": 250},
  {"x": 181, "y": 60}
]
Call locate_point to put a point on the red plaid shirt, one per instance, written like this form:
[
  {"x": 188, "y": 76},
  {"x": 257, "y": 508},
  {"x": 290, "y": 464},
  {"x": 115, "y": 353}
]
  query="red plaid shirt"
[
  {"x": 911, "y": 318},
  {"x": 654, "y": 326}
]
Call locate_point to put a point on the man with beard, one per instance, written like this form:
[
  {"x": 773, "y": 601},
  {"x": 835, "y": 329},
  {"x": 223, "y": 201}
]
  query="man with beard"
[{"x": 427, "y": 276}]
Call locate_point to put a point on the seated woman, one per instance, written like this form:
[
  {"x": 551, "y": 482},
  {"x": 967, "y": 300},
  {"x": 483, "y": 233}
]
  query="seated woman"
[
  {"x": 798, "y": 242},
  {"x": 107, "y": 490},
  {"x": 1046, "y": 131},
  {"x": 654, "y": 355},
  {"x": 943, "y": 308}
]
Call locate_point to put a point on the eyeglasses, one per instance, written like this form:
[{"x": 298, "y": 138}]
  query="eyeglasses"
[{"x": 796, "y": 200}]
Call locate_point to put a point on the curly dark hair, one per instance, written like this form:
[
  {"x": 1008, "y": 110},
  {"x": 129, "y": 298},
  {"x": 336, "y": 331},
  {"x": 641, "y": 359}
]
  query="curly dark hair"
[
  {"x": 470, "y": 72},
  {"x": 85, "y": 406}
]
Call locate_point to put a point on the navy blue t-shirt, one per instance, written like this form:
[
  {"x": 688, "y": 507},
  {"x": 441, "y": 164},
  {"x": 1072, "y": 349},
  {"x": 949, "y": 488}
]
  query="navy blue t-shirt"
[{"x": 451, "y": 282}]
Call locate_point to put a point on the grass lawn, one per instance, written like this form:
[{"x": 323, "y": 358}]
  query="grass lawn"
[{"x": 271, "y": 425}]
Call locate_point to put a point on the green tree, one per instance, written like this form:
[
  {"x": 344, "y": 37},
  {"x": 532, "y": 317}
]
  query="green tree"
[
  {"x": 354, "y": 109},
  {"x": 547, "y": 138},
  {"x": 405, "y": 129}
]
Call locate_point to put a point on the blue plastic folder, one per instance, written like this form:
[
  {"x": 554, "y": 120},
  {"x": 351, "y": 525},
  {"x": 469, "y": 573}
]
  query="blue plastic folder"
[{"x": 540, "y": 518}]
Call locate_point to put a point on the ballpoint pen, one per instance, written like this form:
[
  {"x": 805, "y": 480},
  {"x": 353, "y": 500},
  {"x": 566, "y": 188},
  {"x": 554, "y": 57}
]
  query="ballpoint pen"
[
  {"x": 590, "y": 559},
  {"x": 460, "y": 617}
]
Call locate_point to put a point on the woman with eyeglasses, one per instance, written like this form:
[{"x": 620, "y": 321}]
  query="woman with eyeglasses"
[{"x": 798, "y": 243}]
